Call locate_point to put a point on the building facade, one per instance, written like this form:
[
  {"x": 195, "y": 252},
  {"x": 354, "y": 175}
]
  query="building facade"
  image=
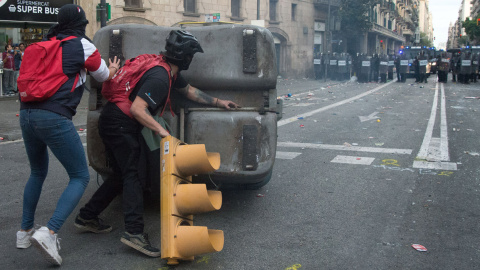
[
  {"x": 301, "y": 29},
  {"x": 456, "y": 34}
]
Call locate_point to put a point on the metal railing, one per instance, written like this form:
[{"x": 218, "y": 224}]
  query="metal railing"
[{"x": 389, "y": 33}]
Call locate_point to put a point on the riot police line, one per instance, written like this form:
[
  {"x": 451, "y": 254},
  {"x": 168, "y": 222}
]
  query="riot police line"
[
  {"x": 464, "y": 66},
  {"x": 343, "y": 66},
  {"x": 380, "y": 67}
]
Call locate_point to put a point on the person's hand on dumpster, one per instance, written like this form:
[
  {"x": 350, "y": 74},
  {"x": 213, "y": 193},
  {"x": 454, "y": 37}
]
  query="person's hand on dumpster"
[{"x": 226, "y": 104}]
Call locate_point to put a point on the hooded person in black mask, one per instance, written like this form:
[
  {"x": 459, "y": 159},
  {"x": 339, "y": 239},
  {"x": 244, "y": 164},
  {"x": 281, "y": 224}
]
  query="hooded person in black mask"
[
  {"x": 71, "y": 22},
  {"x": 48, "y": 123}
]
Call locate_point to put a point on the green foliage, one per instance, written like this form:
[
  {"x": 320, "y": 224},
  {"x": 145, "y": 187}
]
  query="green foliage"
[
  {"x": 472, "y": 30},
  {"x": 355, "y": 16},
  {"x": 463, "y": 41},
  {"x": 424, "y": 40}
]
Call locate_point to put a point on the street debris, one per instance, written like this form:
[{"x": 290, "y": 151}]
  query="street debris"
[
  {"x": 419, "y": 247},
  {"x": 302, "y": 126},
  {"x": 300, "y": 118},
  {"x": 379, "y": 144},
  {"x": 260, "y": 195},
  {"x": 475, "y": 154},
  {"x": 17, "y": 115},
  {"x": 346, "y": 144}
]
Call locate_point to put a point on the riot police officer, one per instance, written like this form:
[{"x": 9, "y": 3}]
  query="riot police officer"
[
  {"x": 383, "y": 68},
  {"x": 391, "y": 64},
  {"x": 422, "y": 67},
  {"x": 465, "y": 67}
]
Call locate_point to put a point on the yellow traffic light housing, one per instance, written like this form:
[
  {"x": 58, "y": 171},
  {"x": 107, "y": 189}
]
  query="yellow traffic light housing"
[{"x": 180, "y": 199}]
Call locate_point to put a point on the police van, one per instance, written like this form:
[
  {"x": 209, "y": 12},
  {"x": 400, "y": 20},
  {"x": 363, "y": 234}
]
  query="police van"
[{"x": 410, "y": 52}]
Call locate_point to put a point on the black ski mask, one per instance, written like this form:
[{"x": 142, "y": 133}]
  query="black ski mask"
[{"x": 71, "y": 22}]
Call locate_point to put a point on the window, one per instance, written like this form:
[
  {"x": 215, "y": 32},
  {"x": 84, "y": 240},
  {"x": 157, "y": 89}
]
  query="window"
[
  {"x": 236, "y": 8},
  {"x": 273, "y": 10},
  {"x": 190, "y": 6},
  {"x": 294, "y": 12},
  {"x": 133, "y": 3}
]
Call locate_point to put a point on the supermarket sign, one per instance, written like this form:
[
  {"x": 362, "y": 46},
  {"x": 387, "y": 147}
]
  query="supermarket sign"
[{"x": 31, "y": 10}]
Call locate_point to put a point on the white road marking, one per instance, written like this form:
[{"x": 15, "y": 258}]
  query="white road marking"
[
  {"x": 346, "y": 148},
  {"x": 437, "y": 165},
  {"x": 434, "y": 153},
  {"x": 445, "y": 156},
  {"x": 422, "y": 154},
  {"x": 307, "y": 114},
  {"x": 286, "y": 155},
  {"x": 353, "y": 160}
]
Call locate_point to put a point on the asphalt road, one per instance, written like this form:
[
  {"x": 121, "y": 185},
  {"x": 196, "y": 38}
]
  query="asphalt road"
[{"x": 363, "y": 171}]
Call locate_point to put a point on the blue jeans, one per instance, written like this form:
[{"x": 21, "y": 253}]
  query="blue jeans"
[{"x": 42, "y": 128}]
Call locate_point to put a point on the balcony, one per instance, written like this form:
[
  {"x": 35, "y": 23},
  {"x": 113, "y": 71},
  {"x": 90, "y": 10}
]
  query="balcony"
[
  {"x": 408, "y": 32},
  {"x": 386, "y": 32},
  {"x": 384, "y": 5}
]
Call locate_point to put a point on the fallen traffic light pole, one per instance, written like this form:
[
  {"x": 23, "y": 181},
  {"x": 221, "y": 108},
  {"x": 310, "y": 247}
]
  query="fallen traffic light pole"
[{"x": 180, "y": 199}]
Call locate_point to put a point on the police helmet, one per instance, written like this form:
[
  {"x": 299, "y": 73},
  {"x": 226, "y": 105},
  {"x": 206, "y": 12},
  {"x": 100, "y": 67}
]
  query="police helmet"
[{"x": 180, "y": 48}]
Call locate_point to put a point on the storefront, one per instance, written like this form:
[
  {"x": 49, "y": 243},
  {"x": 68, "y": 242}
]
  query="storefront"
[{"x": 27, "y": 21}]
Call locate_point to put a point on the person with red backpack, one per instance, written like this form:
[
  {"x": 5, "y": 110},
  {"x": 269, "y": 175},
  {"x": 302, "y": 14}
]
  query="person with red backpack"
[
  {"x": 47, "y": 122},
  {"x": 139, "y": 91}
]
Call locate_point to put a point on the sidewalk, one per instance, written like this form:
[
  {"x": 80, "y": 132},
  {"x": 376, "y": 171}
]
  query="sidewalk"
[
  {"x": 9, "y": 121},
  {"x": 10, "y": 106}
]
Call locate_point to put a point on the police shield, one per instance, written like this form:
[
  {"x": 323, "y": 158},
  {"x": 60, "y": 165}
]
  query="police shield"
[
  {"x": 365, "y": 67},
  {"x": 383, "y": 64},
  {"x": 404, "y": 68},
  {"x": 422, "y": 63},
  {"x": 465, "y": 64}
]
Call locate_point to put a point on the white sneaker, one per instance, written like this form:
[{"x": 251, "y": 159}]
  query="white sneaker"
[
  {"x": 23, "y": 238},
  {"x": 48, "y": 244}
]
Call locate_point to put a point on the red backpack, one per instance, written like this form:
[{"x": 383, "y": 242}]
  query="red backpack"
[
  {"x": 118, "y": 89},
  {"x": 41, "y": 72}
]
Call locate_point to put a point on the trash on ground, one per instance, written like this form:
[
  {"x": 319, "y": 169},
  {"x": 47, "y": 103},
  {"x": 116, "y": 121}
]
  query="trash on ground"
[
  {"x": 260, "y": 195},
  {"x": 355, "y": 144},
  {"x": 378, "y": 120},
  {"x": 346, "y": 144},
  {"x": 300, "y": 118},
  {"x": 379, "y": 144},
  {"x": 17, "y": 114},
  {"x": 419, "y": 247},
  {"x": 475, "y": 154},
  {"x": 302, "y": 126}
]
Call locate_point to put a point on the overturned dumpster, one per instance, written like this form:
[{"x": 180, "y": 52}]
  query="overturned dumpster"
[{"x": 238, "y": 64}]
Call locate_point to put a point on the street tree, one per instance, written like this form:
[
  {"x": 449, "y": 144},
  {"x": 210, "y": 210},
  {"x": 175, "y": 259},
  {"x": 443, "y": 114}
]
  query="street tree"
[
  {"x": 472, "y": 30},
  {"x": 357, "y": 19},
  {"x": 424, "y": 40}
]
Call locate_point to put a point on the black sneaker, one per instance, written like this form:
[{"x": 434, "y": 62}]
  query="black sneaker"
[
  {"x": 92, "y": 225},
  {"x": 140, "y": 242}
]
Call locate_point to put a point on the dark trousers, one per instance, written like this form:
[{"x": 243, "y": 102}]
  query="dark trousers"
[
  {"x": 121, "y": 138},
  {"x": 383, "y": 77},
  {"x": 423, "y": 77}
]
